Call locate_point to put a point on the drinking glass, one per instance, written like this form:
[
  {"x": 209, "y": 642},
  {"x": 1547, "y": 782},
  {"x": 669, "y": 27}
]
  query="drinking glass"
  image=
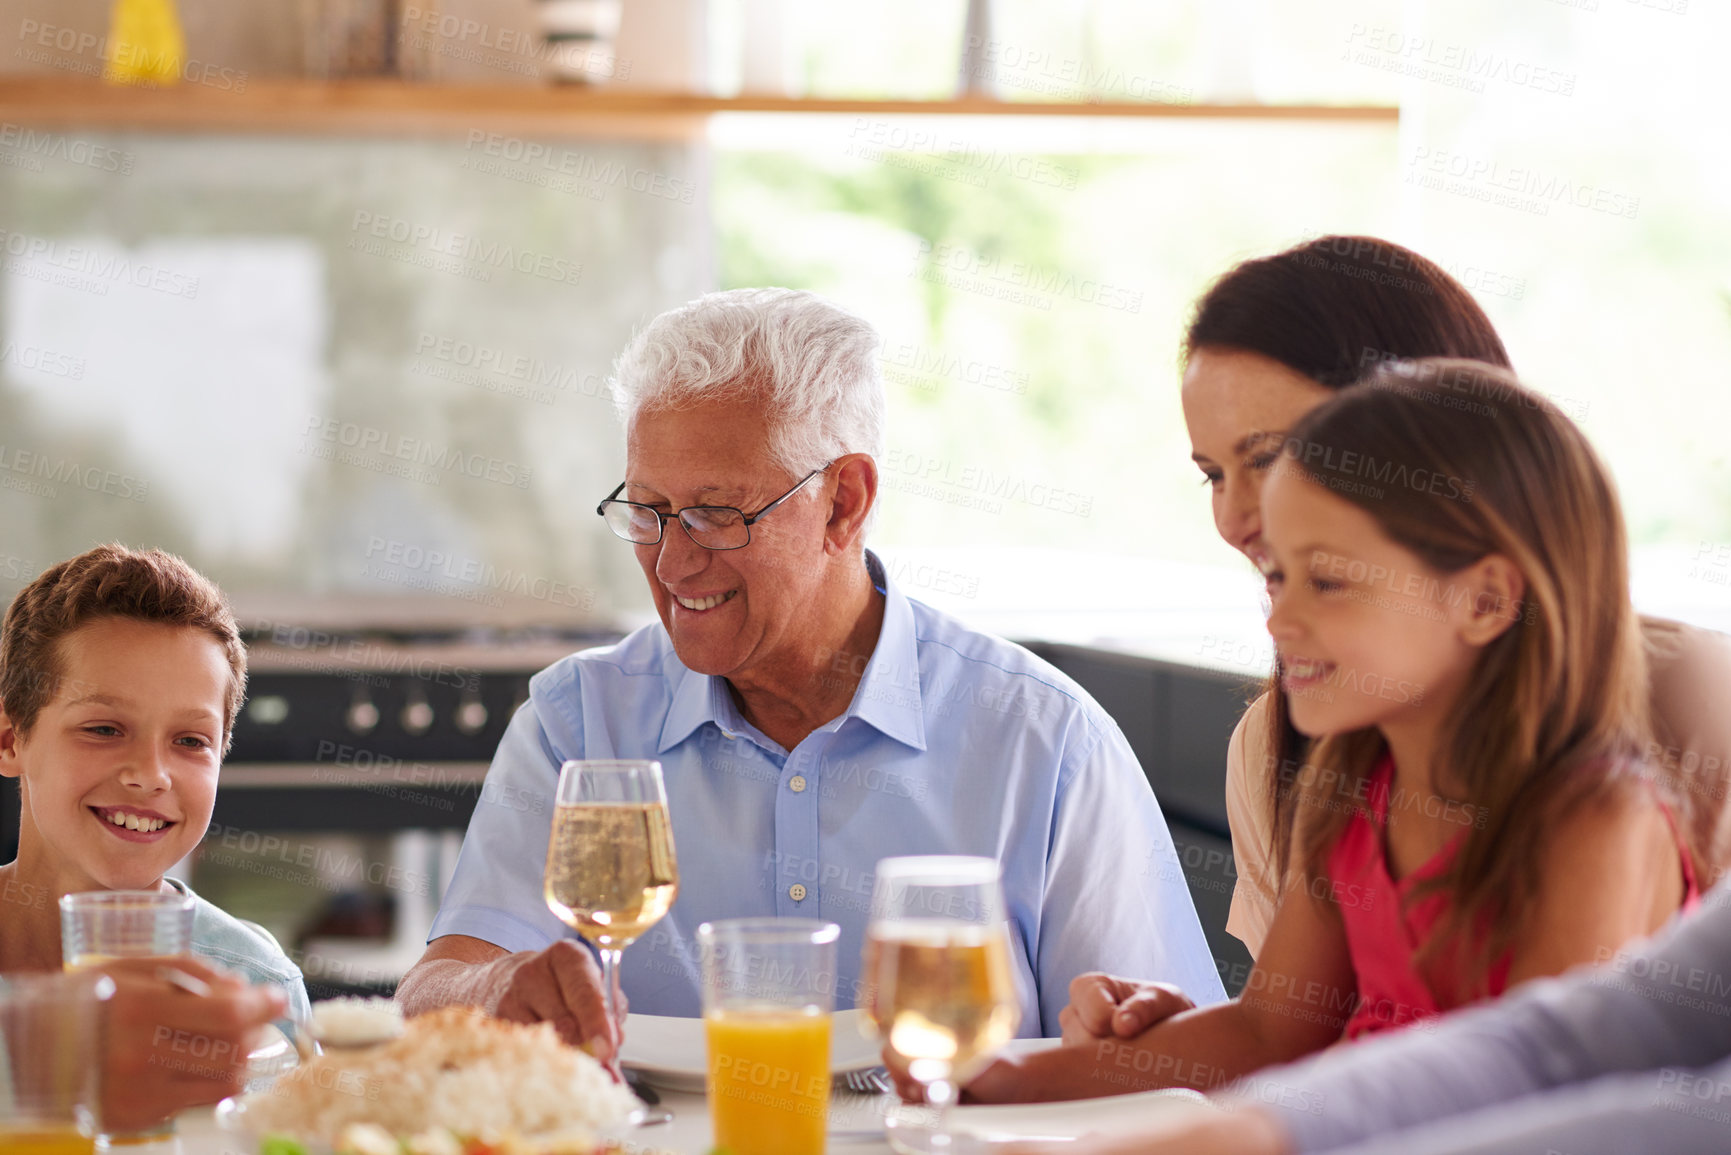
[
  {"x": 939, "y": 986},
  {"x": 768, "y": 992},
  {"x": 611, "y": 874},
  {"x": 50, "y": 1058},
  {"x": 99, "y": 926}
]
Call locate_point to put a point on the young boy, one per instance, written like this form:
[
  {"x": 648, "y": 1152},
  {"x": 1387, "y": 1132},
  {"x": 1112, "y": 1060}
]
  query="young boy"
[{"x": 121, "y": 673}]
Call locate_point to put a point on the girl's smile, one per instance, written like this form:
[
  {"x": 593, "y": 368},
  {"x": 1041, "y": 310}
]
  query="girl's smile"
[{"x": 1303, "y": 673}]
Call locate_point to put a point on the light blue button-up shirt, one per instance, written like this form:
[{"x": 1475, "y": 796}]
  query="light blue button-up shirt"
[{"x": 956, "y": 742}]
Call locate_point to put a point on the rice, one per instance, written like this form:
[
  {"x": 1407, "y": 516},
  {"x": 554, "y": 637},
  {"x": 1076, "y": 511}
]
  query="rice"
[{"x": 456, "y": 1068}]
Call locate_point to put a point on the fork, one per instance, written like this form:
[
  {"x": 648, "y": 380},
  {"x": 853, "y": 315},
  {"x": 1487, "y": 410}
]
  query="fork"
[
  {"x": 867, "y": 1081},
  {"x": 306, "y": 1048},
  {"x": 653, "y": 1113}
]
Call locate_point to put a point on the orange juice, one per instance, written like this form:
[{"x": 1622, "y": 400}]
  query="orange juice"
[
  {"x": 45, "y": 1139},
  {"x": 88, "y": 960},
  {"x": 769, "y": 1080}
]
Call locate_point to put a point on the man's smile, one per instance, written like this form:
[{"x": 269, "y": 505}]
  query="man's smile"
[{"x": 700, "y": 605}]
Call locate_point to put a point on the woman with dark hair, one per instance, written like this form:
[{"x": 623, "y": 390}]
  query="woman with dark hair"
[{"x": 1272, "y": 339}]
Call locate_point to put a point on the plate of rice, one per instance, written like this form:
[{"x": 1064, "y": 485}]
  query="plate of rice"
[{"x": 456, "y": 1082}]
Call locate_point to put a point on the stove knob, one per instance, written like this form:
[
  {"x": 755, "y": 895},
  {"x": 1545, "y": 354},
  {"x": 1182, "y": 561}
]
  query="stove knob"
[
  {"x": 268, "y": 710},
  {"x": 471, "y": 714},
  {"x": 417, "y": 715},
  {"x": 362, "y": 715}
]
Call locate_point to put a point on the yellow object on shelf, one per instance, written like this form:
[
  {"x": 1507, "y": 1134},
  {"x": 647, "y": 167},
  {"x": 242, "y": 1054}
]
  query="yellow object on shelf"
[{"x": 145, "y": 44}]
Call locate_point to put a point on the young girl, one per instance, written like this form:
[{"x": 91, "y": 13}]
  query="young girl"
[
  {"x": 121, "y": 673},
  {"x": 1446, "y": 560}
]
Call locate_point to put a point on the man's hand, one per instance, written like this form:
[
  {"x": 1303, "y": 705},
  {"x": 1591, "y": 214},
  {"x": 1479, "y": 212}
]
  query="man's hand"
[
  {"x": 167, "y": 1049},
  {"x": 562, "y": 985},
  {"x": 1106, "y": 1007},
  {"x": 559, "y": 985}
]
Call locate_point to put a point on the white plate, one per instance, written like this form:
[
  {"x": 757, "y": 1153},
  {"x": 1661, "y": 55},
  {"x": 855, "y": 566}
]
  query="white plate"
[
  {"x": 672, "y": 1053},
  {"x": 1116, "y": 1115},
  {"x": 233, "y": 1115}
]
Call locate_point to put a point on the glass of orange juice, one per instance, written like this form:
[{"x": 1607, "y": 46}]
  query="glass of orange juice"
[
  {"x": 768, "y": 991},
  {"x": 50, "y": 1035}
]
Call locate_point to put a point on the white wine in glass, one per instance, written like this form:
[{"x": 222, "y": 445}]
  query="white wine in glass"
[
  {"x": 611, "y": 872},
  {"x": 939, "y": 985},
  {"x": 951, "y": 993}
]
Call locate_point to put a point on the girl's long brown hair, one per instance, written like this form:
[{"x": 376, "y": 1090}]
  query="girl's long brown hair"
[
  {"x": 1329, "y": 308},
  {"x": 1455, "y": 461}
]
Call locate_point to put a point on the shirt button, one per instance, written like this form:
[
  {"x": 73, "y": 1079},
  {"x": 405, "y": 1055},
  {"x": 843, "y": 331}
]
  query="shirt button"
[
  {"x": 796, "y": 783},
  {"x": 797, "y": 892}
]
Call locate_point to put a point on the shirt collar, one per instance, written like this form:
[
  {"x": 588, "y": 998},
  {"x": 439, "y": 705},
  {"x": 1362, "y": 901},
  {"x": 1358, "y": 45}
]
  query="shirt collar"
[
  {"x": 887, "y": 698},
  {"x": 694, "y": 703}
]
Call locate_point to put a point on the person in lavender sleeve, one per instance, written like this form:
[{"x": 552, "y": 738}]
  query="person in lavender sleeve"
[{"x": 810, "y": 717}]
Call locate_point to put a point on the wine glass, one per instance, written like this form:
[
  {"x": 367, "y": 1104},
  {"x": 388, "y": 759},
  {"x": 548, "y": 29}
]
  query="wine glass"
[
  {"x": 611, "y": 874},
  {"x": 940, "y": 989}
]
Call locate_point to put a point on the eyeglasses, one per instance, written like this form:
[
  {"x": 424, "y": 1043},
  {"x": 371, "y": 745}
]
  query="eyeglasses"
[{"x": 710, "y": 526}]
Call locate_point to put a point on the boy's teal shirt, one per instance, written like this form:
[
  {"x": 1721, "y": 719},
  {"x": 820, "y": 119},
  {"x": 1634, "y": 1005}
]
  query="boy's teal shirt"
[{"x": 245, "y": 948}]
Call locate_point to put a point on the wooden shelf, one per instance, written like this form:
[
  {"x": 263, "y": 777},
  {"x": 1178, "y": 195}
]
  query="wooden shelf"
[{"x": 382, "y": 107}]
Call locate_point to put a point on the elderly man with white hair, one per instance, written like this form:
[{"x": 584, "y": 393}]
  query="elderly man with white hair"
[{"x": 810, "y": 718}]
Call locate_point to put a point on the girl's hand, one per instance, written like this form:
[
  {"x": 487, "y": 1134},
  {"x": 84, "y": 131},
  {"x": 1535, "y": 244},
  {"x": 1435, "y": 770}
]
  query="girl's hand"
[
  {"x": 1005, "y": 1080},
  {"x": 907, "y": 1087},
  {"x": 1106, "y": 1007}
]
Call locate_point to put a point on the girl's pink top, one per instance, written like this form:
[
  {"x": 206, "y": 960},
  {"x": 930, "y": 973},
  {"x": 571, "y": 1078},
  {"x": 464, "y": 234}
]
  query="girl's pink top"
[{"x": 1384, "y": 931}]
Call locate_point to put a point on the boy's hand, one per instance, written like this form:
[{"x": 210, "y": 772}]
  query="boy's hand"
[{"x": 166, "y": 1049}]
